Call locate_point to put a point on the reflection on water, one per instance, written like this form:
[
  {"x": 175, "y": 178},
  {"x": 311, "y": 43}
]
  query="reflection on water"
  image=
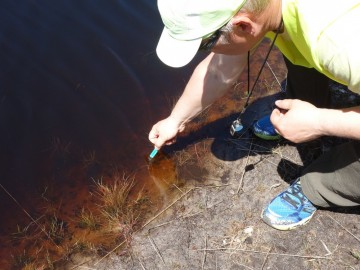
[
  {"x": 80, "y": 87},
  {"x": 163, "y": 175}
]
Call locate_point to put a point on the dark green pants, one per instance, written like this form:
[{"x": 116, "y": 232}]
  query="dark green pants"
[{"x": 334, "y": 178}]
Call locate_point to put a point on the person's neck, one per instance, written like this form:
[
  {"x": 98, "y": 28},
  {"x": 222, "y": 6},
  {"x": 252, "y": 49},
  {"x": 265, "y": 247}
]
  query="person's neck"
[{"x": 272, "y": 16}]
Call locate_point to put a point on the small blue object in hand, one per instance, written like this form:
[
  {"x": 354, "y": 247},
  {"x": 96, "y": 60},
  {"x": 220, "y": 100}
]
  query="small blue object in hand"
[{"x": 153, "y": 153}]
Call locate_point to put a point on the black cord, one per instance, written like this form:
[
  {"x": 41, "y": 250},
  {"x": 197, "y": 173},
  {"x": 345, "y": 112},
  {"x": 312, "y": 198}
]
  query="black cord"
[
  {"x": 248, "y": 73},
  {"x": 258, "y": 76}
]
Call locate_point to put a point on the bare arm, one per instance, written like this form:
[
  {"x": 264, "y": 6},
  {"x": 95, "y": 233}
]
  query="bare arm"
[
  {"x": 209, "y": 81},
  {"x": 299, "y": 121},
  {"x": 342, "y": 123}
]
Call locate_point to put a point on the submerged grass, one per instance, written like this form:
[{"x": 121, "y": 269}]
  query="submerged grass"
[
  {"x": 119, "y": 213},
  {"x": 114, "y": 197},
  {"x": 54, "y": 236},
  {"x": 22, "y": 260},
  {"x": 87, "y": 220},
  {"x": 56, "y": 228}
]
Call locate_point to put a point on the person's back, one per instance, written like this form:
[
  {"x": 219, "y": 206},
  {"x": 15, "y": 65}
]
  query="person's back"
[{"x": 322, "y": 34}]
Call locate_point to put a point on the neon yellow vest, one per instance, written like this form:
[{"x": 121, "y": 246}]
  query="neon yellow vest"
[{"x": 317, "y": 34}]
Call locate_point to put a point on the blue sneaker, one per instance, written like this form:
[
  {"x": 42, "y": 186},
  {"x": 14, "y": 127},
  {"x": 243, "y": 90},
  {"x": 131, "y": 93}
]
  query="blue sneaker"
[
  {"x": 289, "y": 209},
  {"x": 264, "y": 129}
]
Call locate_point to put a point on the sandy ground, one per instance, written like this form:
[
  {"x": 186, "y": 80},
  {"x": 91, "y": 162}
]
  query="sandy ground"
[{"x": 213, "y": 219}]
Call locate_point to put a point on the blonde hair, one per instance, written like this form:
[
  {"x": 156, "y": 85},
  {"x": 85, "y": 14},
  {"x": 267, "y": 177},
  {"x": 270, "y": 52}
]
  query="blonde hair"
[{"x": 255, "y": 6}]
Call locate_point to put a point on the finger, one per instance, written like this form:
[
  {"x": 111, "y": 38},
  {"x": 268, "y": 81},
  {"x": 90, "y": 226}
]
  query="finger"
[
  {"x": 155, "y": 138},
  {"x": 275, "y": 116},
  {"x": 170, "y": 142},
  {"x": 284, "y": 104},
  {"x": 159, "y": 142},
  {"x": 153, "y": 135}
]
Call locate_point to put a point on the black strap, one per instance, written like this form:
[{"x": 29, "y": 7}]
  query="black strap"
[{"x": 258, "y": 76}]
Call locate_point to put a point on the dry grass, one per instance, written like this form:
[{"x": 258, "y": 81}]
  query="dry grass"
[
  {"x": 89, "y": 159},
  {"x": 55, "y": 227},
  {"x": 53, "y": 237},
  {"x": 114, "y": 197},
  {"x": 22, "y": 260},
  {"x": 87, "y": 220},
  {"x": 183, "y": 157},
  {"x": 59, "y": 146}
]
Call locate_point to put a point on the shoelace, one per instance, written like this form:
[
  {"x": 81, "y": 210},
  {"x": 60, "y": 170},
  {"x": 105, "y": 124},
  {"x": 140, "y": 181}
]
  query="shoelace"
[
  {"x": 294, "y": 196},
  {"x": 297, "y": 199}
]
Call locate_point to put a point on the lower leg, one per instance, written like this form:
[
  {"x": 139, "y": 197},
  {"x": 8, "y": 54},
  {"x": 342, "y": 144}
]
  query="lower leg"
[{"x": 334, "y": 178}]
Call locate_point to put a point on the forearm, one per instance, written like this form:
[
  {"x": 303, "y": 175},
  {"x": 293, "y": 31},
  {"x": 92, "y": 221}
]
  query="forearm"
[
  {"x": 300, "y": 121},
  {"x": 210, "y": 80},
  {"x": 340, "y": 123}
]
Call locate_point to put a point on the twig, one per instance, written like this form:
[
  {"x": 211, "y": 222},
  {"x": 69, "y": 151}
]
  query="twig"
[
  {"x": 191, "y": 215},
  {"x": 214, "y": 186},
  {"x": 171, "y": 221},
  {"x": 156, "y": 249},
  {"x": 178, "y": 188},
  {"x": 344, "y": 228},
  {"x": 273, "y": 163},
  {"x": 326, "y": 248},
  {"x": 197, "y": 155},
  {"x": 266, "y": 257},
  {"x": 80, "y": 264},
  {"x": 243, "y": 265},
  {"x": 265, "y": 151},
  {"x": 111, "y": 251},
  {"x": 205, "y": 252},
  {"x": 205, "y": 199},
  {"x": 147, "y": 223},
  {"x": 216, "y": 262},
  {"x": 263, "y": 252},
  {"x": 142, "y": 266},
  {"x": 273, "y": 73},
  {"x": 160, "y": 225},
  {"x": 156, "y": 216},
  {"x": 27, "y": 214},
  {"x": 275, "y": 186},
  {"x": 243, "y": 173}
]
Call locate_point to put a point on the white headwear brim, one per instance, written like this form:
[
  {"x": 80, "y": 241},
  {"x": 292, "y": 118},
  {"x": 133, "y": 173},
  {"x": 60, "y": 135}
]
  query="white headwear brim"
[{"x": 176, "y": 53}]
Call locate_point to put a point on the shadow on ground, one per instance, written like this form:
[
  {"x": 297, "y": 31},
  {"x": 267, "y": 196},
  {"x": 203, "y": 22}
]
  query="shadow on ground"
[{"x": 214, "y": 221}]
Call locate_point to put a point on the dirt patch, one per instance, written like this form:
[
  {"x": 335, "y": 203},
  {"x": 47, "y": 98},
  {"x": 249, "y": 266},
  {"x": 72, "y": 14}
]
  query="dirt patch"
[
  {"x": 212, "y": 219},
  {"x": 216, "y": 224}
]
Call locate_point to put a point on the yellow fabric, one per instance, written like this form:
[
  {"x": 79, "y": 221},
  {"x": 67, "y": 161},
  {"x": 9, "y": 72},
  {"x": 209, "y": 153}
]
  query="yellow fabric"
[{"x": 325, "y": 35}]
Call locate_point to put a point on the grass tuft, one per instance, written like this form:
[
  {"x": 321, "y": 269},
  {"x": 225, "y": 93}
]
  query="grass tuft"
[
  {"x": 87, "y": 220},
  {"x": 56, "y": 228},
  {"x": 114, "y": 196}
]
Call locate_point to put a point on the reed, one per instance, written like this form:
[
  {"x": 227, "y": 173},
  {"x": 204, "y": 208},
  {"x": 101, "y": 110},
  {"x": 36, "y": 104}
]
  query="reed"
[
  {"x": 119, "y": 213},
  {"x": 87, "y": 220},
  {"x": 21, "y": 233},
  {"x": 22, "y": 260},
  {"x": 55, "y": 228},
  {"x": 89, "y": 159},
  {"x": 114, "y": 196},
  {"x": 59, "y": 146}
]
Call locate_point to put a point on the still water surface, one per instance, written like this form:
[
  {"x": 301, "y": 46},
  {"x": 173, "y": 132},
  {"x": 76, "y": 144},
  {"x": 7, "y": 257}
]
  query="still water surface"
[
  {"x": 80, "y": 88},
  {"x": 77, "y": 79}
]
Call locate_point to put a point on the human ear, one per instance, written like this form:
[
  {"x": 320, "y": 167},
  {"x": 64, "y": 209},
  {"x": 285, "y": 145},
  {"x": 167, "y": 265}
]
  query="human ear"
[{"x": 243, "y": 23}]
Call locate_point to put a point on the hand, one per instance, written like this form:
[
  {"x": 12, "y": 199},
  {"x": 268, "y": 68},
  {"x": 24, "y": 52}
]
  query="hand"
[
  {"x": 165, "y": 132},
  {"x": 296, "y": 120}
]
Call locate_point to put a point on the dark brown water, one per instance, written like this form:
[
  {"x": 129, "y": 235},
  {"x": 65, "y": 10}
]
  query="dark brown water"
[{"x": 80, "y": 88}]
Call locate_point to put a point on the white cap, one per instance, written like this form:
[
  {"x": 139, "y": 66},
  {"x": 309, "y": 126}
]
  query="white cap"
[{"x": 187, "y": 22}]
